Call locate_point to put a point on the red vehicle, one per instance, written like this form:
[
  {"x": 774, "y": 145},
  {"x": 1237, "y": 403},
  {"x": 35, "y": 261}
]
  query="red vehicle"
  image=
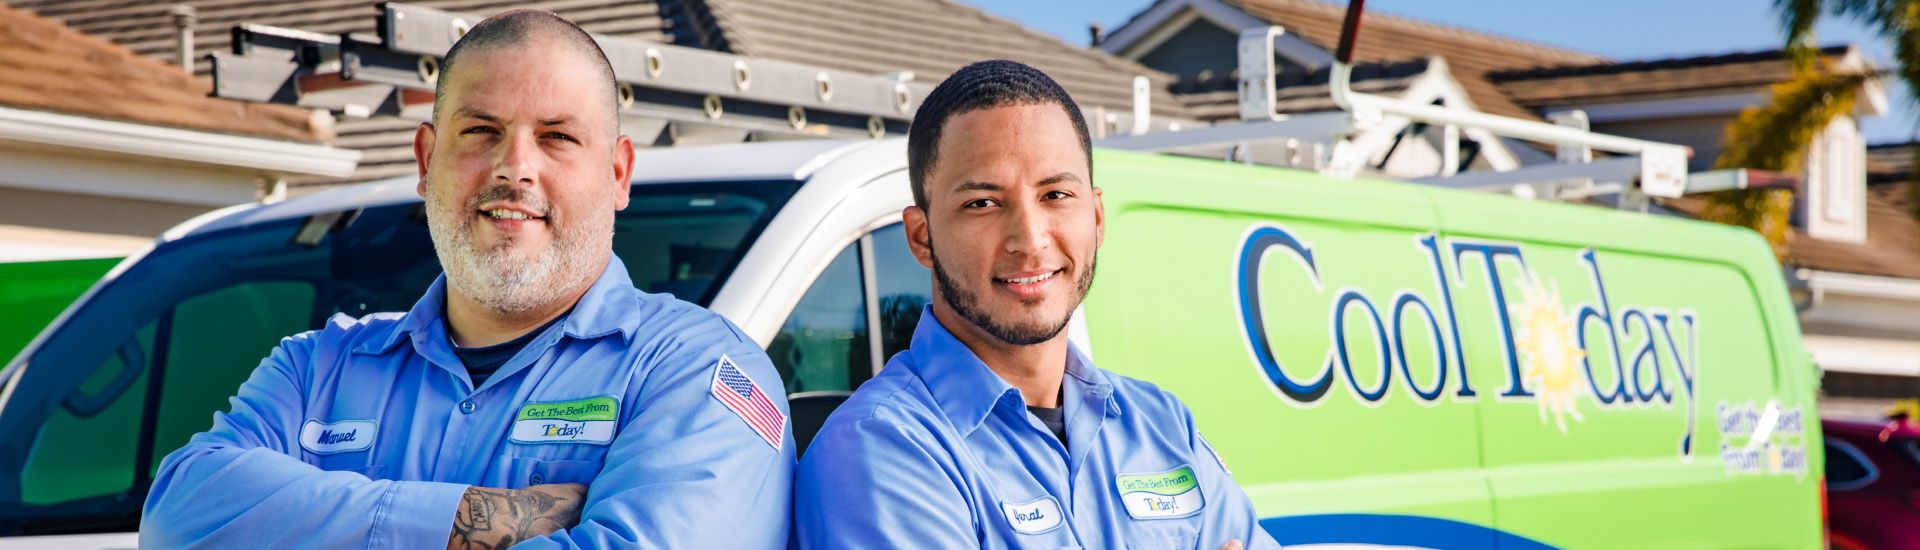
[{"x": 1873, "y": 483}]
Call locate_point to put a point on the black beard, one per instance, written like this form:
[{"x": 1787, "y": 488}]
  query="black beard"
[{"x": 967, "y": 304}]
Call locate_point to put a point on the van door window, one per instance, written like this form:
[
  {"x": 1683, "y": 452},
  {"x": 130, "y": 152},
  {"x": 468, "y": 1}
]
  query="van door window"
[
  {"x": 103, "y": 443},
  {"x": 904, "y": 286},
  {"x": 85, "y": 448},
  {"x": 824, "y": 344}
]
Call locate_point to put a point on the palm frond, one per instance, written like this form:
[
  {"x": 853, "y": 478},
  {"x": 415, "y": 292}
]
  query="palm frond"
[{"x": 1775, "y": 137}]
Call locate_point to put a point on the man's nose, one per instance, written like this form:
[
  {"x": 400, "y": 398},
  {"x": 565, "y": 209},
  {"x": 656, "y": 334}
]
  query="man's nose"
[
  {"x": 1027, "y": 229},
  {"x": 517, "y": 162}
]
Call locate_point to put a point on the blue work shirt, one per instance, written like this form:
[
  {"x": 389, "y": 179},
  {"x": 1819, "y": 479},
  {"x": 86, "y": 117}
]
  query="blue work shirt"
[
  {"x": 367, "y": 432},
  {"x": 937, "y": 451}
]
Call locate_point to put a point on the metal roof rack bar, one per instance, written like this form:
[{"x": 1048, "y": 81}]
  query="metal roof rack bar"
[{"x": 394, "y": 70}]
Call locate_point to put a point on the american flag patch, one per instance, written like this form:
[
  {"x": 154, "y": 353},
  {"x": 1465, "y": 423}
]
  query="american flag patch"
[{"x": 738, "y": 392}]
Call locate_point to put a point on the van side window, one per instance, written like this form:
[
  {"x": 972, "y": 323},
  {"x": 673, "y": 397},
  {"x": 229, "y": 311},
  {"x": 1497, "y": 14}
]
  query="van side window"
[
  {"x": 824, "y": 346},
  {"x": 904, "y": 286}
]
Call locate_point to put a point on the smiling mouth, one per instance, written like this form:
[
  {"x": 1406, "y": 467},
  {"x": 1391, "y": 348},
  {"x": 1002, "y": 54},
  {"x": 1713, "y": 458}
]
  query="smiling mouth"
[
  {"x": 1033, "y": 279},
  {"x": 505, "y": 214}
]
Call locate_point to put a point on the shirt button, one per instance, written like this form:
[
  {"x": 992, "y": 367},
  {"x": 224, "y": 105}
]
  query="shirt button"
[
  {"x": 538, "y": 479},
  {"x": 466, "y": 407}
]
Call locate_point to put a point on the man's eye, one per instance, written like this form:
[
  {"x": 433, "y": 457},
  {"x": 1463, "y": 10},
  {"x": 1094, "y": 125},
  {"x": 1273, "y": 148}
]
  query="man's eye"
[
  {"x": 479, "y": 130},
  {"x": 561, "y": 136},
  {"x": 1056, "y": 195},
  {"x": 978, "y": 203}
]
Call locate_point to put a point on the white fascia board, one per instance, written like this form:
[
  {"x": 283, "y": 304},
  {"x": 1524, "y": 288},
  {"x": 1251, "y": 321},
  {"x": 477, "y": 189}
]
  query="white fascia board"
[
  {"x": 1864, "y": 286},
  {"x": 255, "y": 154},
  {"x": 1652, "y": 109},
  {"x": 40, "y": 170},
  {"x": 1864, "y": 355},
  {"x": 1872, "y": 100}
]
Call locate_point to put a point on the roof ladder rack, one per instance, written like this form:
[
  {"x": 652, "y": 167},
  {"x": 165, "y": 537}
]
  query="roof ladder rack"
[{"x": 393, "y": 72}]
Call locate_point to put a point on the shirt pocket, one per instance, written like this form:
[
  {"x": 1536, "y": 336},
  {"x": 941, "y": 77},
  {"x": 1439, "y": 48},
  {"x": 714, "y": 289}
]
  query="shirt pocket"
[
  {"x": 1163, "y": 542},
  {"x": 534, "y": 471}
]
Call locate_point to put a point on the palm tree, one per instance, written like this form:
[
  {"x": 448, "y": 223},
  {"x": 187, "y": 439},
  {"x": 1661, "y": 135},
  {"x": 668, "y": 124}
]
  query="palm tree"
[{"x": 1775, "y": 136}]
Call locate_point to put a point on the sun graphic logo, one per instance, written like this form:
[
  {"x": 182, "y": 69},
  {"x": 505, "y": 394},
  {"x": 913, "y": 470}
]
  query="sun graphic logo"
[{"x": 1544, "y": 335}]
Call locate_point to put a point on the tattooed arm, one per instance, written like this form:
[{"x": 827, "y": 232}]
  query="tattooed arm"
[{"x": 491, "y": 518}]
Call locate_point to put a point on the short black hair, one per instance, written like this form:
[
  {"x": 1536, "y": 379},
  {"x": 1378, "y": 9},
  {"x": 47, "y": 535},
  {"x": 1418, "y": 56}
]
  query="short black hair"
[
  {"x": 516, "y": 27},
  {"x": 994, "y": 83}
]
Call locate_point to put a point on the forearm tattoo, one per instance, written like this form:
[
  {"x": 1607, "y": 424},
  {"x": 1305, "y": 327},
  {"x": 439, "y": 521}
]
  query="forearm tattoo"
[{"x": 491, "y": 519}]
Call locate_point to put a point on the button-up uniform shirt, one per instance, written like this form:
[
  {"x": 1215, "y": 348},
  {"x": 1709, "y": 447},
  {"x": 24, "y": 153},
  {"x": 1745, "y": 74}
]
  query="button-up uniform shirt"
[
  {"x": 367, "y": 432},
  {"x": 937, "y": 451}
]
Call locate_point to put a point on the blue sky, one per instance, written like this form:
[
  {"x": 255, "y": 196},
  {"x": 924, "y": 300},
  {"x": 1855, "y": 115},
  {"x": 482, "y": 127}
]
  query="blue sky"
[{"x": 1619, "y": 29}]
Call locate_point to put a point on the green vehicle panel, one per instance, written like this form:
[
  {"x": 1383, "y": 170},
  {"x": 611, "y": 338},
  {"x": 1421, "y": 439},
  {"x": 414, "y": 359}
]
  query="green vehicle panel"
[{"x": 1387, "y": 363}]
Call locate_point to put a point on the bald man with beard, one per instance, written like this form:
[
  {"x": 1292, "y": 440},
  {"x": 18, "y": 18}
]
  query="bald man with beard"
[{"x": 533, "y": 396}]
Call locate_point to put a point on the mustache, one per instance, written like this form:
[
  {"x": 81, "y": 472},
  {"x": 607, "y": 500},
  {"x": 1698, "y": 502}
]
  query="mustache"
[{"x": 507, "y": 193}]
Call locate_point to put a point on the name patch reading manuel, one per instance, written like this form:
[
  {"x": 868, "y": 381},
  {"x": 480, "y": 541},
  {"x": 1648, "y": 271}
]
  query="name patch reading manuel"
[
  {"x": 589, "y": 420},
  {"x": 1170, "y": 494},
  {"x": 344, "y": 436}
]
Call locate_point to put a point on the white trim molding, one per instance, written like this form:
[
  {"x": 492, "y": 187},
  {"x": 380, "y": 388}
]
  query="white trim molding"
[
  {"x": 1628, "y": 111},
  {"x": 1861, "y": 323},
  {"x": 253, "y": 154}
]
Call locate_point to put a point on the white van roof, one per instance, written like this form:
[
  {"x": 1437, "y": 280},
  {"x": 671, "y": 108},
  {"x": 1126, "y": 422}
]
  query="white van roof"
[{"x": 742, "y": 162}]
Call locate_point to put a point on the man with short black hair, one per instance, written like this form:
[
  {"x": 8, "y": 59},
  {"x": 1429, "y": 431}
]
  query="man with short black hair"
[
  {"x": 992, "y": 430},
  {"x": 533, "y": 396}
]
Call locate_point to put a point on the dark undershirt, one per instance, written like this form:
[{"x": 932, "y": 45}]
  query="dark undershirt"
[
  {"x": 484, "y": 361},
  {"x": 1054, "y": 418}
]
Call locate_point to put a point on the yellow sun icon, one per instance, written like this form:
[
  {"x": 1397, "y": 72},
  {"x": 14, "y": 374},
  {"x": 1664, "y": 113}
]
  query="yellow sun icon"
[{"x": 1546, "y": 336}]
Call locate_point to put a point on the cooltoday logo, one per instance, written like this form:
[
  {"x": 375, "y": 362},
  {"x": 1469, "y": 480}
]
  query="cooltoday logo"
[{"x": 1547, "y": 356}]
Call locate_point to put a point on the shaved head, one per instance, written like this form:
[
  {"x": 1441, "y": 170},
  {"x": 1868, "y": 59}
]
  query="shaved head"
[{"x": 518, "y": 28}]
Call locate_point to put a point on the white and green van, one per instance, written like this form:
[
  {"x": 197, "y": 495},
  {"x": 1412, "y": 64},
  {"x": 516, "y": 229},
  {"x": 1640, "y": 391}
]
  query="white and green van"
[{"x": 1380, "y": 364}]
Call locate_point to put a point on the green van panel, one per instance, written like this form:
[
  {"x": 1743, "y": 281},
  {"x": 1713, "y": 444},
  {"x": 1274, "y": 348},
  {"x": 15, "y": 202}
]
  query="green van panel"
[{"x": 1386, "y": 363}]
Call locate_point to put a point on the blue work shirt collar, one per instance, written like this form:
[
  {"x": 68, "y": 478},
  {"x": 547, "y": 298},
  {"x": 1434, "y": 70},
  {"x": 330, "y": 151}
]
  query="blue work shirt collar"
[
  {"x": 606, "y": 308},
  {"x": 966, "y": 390}
]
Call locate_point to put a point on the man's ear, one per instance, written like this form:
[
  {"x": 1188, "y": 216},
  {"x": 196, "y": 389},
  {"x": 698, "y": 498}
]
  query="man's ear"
[
  {"x": 423, "y": 153},
  {"x": 1099, "y": 218},
  {"x": 919, "y": 239},
  {"x": 622, "y": 171}
]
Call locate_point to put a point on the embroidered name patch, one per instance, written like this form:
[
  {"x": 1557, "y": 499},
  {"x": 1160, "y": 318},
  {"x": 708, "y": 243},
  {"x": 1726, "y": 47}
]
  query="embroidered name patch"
[
  {"x": 1165, "y": 495},
  {"x": 344, "y": 436},
  {"x": 1033, "y": 517},
  {"x": 589, "y": 420}
]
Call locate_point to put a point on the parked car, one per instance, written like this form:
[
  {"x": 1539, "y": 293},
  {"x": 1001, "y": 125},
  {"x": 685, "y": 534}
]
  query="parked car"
[{"x": 1873, "y": 483}]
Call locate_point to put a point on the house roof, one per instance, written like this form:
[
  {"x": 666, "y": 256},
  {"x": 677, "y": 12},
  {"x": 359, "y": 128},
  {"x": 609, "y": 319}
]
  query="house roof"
[
  {"x": 146, "y": 28},
  {"x": 931, "y": 38},
  {"x": 1588, "y": 84},
  {"x": 1892, "y": 246},
  {"x": 1298, "y": 92},
  {"x": 51, "y": 67},
  {"x": 1469, "y": 54}
]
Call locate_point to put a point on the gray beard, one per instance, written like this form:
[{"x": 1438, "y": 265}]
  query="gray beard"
[
  {"x": 497, "y": 281},
  {"x": 967, "y": 305}
]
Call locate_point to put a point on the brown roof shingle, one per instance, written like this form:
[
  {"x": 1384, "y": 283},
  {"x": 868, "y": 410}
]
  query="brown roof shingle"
[
  {"x": 1469, "y": 54},
  {"x": 1644, "y": 80},
  {"x": 931, "y": 38},
  {"x": 50, "y": 67},
  {"x": 145, "y": 27},
  {"x": 1892, "y": 246}
]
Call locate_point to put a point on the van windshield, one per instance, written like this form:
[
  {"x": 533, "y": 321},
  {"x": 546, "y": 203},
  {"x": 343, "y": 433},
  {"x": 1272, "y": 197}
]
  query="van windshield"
[{"x": 146, "y": 362}]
